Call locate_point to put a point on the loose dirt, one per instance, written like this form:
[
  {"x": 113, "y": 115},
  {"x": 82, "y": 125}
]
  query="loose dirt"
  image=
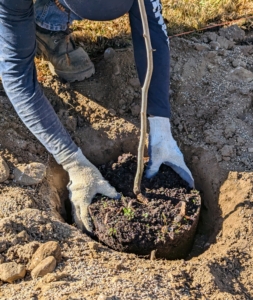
[{"x": 212, "y": 104}]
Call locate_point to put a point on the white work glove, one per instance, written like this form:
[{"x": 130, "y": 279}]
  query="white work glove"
[
  {"x": 163, "y": 149},
  {"x": 85, "y": 182}
]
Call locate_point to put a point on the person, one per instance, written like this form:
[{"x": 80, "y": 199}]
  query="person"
[{"x": 21, "y": 22}]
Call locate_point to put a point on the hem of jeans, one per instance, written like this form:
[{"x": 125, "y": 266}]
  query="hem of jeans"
[{"x": 50, "y": 26}]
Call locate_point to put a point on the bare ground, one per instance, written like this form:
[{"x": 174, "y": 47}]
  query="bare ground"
[{"x": 212, "y": 103}]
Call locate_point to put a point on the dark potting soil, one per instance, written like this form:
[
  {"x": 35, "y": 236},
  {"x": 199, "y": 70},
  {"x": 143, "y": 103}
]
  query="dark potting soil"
[{"x": 166, "y": 224}]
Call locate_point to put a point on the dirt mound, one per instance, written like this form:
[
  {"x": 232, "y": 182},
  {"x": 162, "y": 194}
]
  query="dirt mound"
[{"x": 211, "y": 97}]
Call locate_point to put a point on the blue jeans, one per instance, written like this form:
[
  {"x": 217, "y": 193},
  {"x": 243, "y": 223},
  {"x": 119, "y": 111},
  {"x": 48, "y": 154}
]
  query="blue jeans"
[{"x": 17, "y": 69}]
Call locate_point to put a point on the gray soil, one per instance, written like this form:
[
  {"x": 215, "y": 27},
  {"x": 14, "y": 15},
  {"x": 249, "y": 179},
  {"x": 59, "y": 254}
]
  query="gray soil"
[{"x": 212, "y": 104}]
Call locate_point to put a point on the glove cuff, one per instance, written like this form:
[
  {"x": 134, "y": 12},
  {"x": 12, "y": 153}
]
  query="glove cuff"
[
  {"x": 160, "y": 126},
  {"x": 73, "y": 160}
]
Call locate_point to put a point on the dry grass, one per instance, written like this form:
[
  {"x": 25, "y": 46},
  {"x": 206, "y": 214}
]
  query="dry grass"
[
  {"x": 96, "y": 36},
  {"x": 180, "y": 15},
  {"x": 192, "y": 14}
]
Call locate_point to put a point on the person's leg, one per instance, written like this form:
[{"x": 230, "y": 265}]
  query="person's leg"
[
  {"x": 55, "y": 44},
  {"x": 158, "y": 96},
  {"x": 52, "y": 17},
  {"x": 17, "y": 70}
]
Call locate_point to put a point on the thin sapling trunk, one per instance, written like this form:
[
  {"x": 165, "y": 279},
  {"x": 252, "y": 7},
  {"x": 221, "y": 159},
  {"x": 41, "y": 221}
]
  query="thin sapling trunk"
[{"x": 145, "y": 88}]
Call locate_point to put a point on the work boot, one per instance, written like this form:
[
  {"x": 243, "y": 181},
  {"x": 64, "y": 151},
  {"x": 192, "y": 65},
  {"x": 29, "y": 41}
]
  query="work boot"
[{"x": 64, "y": 59}]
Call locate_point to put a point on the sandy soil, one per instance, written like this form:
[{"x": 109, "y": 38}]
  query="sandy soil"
[{"x": 212, "y": 102}]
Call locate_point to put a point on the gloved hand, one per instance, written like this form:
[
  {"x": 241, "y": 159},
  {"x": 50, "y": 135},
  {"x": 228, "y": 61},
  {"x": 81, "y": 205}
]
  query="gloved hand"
[
  {"x": 85, "y": 182},
  {"x": 163, "y": 149}
]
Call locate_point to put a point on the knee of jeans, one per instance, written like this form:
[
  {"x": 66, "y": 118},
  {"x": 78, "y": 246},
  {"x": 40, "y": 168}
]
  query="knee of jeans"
[{"x": 17, "y": 6}]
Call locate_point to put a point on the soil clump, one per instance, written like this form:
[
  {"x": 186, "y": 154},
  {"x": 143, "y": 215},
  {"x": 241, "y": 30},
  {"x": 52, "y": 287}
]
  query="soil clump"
[{"x": 166, "y": 224}]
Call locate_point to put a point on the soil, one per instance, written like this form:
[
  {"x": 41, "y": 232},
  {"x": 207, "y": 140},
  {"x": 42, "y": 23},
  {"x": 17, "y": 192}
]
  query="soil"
[
  {"x": 166, "y": 224},
  {"x": 212, "y": 105}
]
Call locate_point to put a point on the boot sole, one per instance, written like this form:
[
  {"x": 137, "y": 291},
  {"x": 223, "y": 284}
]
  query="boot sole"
[
  {"x": 72, "y": 77},
  {"x": 67, "y": 76}
]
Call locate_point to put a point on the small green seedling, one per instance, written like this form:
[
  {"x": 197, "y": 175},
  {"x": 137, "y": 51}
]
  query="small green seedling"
[
  {"x": 145, "y": 215},
  {"x": 105, "y": 204},
  {"x": 128, "y": 212},
  {"x": 112, "y": 231}
]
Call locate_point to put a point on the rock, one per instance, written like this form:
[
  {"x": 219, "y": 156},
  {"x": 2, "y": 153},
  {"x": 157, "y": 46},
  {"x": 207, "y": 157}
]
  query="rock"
[
  {"x": 93, "y": 246},
  {"x": 136, "y": 110},
  {"x": 112, "y": 112},
  {"x": 11, "y": 271},
  {"x": 116, "y": 70},
  {"x": 238, "y": 63},
  {"x": 212, "y": 136},
  {"x": 26, "y": 252},
  {"x": 3, "y": 246},
  {"x": 122, "y": 102},
  {"x": 222, "y": 52},
  {"x": 71, "y": 123},
  {"x": 103, "y": 297},
  {"x": 247, "y": 50},
  {"x": 48, "y": 249},
  {"x": 134, "y": 82},
  {"x": 241, "y": 74},
  {"x": 46, "y": 266},
  {"x": 211, "y": 36},
  {"x": 245, "y": 91},
  {"x": 232, "y": 33},
  {"x": 53, "y": 277},
  {"x": 225, "y": 43},
  {"x": 214, "y": 45},
  {"x": 211, "y": 54},
  {"x": 4, "y": 170},
  {"x": 227, "y": 151},
  {"x": 109, "y": 53},
  {"x": 30, "y": 174},
  {"x": 250, "y": 150},
  {"x": 22, "y": 254},
  {"x": 230, "y": 130},
  {"x": 201, "y": 47},
  {"x": 23, "y": 236},
  {"x": 240, "y": 140}
]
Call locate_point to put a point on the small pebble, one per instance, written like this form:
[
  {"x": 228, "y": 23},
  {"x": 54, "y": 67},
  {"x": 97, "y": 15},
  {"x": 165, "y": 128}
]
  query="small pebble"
[
  {"x": 46, "y": 266},
  {"x": 109, "y": 53},
  {"x": 134, "y": 82},
  {"x": 93, "y": 246},
  {"x": 29, "y": 174},
  {"x": 11, "y": 271},
  {"x": 135, "y": 110},
  {"x": 4, "y": 170},
  {"x": 45, "y": 250},
  {"x": 112, "y": 112}
]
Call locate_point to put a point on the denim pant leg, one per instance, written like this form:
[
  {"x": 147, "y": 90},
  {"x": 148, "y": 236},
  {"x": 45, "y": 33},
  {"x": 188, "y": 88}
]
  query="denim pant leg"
[
  {"x": 17, "y": 69},
  {"x": 158, "y": 96},
  {"x": 49, "y": 16}
]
